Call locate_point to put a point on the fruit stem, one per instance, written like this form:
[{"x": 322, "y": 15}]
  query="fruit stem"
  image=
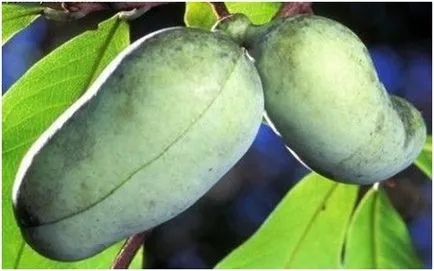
[
  {"x": 129, "y": 250},
  {"x": 241, "y": 30},
  {"x": 236, "y": 26},
  {"x": 220, "y": 9}
]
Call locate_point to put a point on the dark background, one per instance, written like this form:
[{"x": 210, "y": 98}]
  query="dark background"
[{"x": 399, "y": 38}]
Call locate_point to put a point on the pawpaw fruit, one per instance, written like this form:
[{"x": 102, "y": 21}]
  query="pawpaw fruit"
[
  {"x": 324, "y": 97},
  {"x": 162, "y": 124}
]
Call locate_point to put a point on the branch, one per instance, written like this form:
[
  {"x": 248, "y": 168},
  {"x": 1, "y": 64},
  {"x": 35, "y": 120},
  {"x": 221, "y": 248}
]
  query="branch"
[
  {"x": 220, "y": 9},
  {"x": 390, "y": 183},
  {"x": 89, "y": 7},
  {"x": 77, "y": 10},
  {"x": 292, "y": 8},
  {"x": 129, "y": 250}
]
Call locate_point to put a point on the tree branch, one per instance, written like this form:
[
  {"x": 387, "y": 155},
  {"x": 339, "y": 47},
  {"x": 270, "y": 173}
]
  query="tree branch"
[
  {"x": 292, "y": 8},
  {"x": 77, "y": 10},
  {"x": 220, "y": 9},
  {"x": 88, "y": 7},
  {"x": 390, "y": 183},
  {"x": 129, "y": 250}
]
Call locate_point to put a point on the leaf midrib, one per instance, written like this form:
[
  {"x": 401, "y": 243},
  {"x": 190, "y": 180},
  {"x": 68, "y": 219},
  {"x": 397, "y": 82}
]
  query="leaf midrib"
[
  {"x": 103, "y": 51},
  {"x": 20, "y": 252},
  {"x": 309, "y": 226},
  {"x": 374, "y": 225}
]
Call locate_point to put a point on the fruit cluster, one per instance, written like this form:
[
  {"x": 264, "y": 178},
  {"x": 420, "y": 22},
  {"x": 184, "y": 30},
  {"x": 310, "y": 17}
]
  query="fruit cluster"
[{"x": 178, "y": 108}]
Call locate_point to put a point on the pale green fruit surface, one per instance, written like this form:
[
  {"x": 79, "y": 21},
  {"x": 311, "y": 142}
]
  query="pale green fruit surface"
[
  {"x": 323, "y": 96},
  {"x": 165, "y": 121}
]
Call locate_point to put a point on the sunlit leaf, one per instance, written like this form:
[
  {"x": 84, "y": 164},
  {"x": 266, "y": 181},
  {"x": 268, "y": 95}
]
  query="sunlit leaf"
[
  {"x": 137, "y": 262},
  {"x": 378, "y": 237},
  {"x": 36, "y": 100},
  {"x": 31, "y": 260},
  {"x": 258, "y": 12},
  {"x": 16, "y": 16},
  {"x": 306, "y": 230},
  {"x": 424, "y": 161},
  {"x": 199, "y": 15}
]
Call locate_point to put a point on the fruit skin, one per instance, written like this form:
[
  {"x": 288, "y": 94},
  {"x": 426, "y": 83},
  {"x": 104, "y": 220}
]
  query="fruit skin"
[
  {"x": 165, "y": 121},
  {"x": 322, "y": 94}
]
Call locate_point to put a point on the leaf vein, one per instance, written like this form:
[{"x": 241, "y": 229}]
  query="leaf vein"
[
  {"x": 374, "y": 227},
  {"x": 23, "y": 143},
  {"x": 20, "y": 253},
  {"x": 309, "y": 226},
  {"x": 37, "y": 92},
  {"x": 33, "y": 12},
  {"x": 32, "y": 116}
]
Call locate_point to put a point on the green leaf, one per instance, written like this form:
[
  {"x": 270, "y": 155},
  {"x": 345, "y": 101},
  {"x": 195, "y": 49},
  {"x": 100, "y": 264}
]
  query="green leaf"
[
  {"x": 104, "y": 260},
  {"x": 258, "y": 12},
  {"x": 306, "y": 230},
  {"x": 32, "y": 260},
  {"x": 37, "y": 99},
  {"x": 199, "y": 15},
  {"x": 424, "y": 161},
  {"x": 137, "y": 262},
  {"x": 16, "y": 16},
  {"x": 378, "y": 237}
]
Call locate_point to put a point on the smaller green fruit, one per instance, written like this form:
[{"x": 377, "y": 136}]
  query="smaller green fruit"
[{"x": 323, "y": 96}]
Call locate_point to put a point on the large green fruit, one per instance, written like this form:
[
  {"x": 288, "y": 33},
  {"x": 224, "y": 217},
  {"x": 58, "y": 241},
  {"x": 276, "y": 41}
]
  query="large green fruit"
[
  {"x": 323, "y": 96},
  {"x": 165, "y": 121}
]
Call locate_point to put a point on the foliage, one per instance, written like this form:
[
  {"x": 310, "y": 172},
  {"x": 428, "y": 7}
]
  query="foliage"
[
  {"x": 313, "y": 219},
  {"x": 16, "y": 16},
  {"x": 199, "y": 15},
  {"x": 424, "y": 161},
  {"x": 378, "y": 237},
  {"x": 258, "y": 12}
]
